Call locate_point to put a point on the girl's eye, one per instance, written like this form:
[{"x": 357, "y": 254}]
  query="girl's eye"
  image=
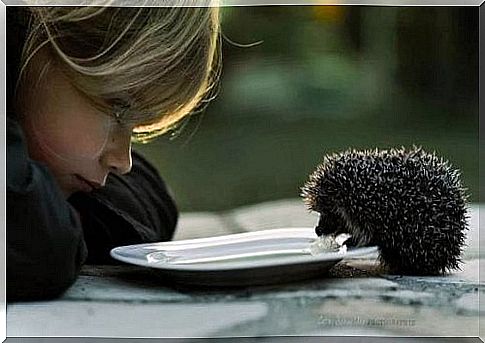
[
  {"x": 117, "y": 125},
  {"x": 120, "y": 108},
  {"x": 118, "y": 121}
]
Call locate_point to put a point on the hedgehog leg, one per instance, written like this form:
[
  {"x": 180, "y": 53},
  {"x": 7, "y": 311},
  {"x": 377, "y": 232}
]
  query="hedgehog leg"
[{"x": 351, "y": 242}]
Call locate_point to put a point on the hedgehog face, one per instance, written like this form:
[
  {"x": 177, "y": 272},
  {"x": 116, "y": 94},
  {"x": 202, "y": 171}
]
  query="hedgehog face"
[
  {"x": 408, "y": 202},
  {"x": 337, "y": 221}
]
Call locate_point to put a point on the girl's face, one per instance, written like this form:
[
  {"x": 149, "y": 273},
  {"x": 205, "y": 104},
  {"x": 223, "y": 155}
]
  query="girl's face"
[{"x": 79, "y": 144}]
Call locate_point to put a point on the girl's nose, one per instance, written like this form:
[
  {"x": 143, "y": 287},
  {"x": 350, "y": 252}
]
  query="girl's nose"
[{"x": 117, "y": 155}]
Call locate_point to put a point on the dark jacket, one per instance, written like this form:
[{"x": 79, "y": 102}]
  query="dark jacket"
[{"x": 47, "y": 239}]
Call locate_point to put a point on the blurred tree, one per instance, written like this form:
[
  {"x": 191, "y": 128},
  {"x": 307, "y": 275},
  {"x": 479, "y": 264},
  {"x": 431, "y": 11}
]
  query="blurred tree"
[
  {"x": 329, "y": 13},
  {"x": 326, "y": 78},
  {"x": 438, "y": 55}
]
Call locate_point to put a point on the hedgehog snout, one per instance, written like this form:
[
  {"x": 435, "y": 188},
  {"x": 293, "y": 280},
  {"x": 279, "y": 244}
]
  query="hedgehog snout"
[{"x": 336, "y": 222}]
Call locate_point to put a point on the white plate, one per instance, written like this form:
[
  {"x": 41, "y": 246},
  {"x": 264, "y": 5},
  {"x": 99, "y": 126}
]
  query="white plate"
[{"x": 260, "y": 257}]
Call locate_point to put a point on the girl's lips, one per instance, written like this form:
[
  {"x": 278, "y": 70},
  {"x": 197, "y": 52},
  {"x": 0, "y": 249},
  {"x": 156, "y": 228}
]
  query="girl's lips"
[{"x": 87, "y": 185}]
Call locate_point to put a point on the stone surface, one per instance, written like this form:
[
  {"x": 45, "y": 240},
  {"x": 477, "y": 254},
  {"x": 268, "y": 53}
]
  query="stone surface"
[
  {"x": 114, "y": 319},
  {"x": 401, "y": 319},
  {"x": 115, "y": 289},
  {"x": 468, "y": 304},
  {"x": 356, "y": 297}
]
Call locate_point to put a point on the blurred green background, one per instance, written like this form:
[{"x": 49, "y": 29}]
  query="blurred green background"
[{"x": 323, "y": 79}]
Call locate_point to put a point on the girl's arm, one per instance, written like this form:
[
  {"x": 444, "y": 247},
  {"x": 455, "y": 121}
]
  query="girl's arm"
[{"x": 45, "y": 245}]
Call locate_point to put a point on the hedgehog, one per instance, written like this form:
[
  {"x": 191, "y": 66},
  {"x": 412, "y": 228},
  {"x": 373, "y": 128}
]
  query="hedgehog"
[{"x": 407, "y": 202}]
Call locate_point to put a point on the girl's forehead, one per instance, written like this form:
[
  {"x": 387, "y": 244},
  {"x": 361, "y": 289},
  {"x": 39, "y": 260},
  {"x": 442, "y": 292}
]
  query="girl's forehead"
[{"x": 56, "y": 91}]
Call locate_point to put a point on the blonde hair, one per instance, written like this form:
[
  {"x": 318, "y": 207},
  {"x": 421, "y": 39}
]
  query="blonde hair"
[{"x": 151, "y": 66}]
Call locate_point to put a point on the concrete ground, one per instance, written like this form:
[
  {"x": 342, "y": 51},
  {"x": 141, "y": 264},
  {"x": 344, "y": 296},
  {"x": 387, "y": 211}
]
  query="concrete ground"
[{"x": 354, "y": 298}]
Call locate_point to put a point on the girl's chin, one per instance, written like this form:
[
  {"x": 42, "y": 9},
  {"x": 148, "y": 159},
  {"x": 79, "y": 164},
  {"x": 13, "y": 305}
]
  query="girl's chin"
[
  {"x": 69, "y": 190},
  {"x": 74, "y": 185}
]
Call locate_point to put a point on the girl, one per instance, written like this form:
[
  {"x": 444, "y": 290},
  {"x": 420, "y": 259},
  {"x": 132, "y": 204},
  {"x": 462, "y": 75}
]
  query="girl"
[{"x": 83, "y": 84}]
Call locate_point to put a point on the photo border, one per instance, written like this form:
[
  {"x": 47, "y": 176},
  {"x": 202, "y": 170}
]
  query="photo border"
[{"x": 229, "y": 3}]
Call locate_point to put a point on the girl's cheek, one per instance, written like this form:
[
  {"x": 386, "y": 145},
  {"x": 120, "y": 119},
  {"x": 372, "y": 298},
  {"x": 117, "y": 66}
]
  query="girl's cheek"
[
  {"x": 56, "y": 157},
  {"x": 72, "y": 137}
]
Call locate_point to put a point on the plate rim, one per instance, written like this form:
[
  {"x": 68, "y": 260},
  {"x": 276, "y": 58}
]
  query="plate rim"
[{"x": 239, "y": 265}]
